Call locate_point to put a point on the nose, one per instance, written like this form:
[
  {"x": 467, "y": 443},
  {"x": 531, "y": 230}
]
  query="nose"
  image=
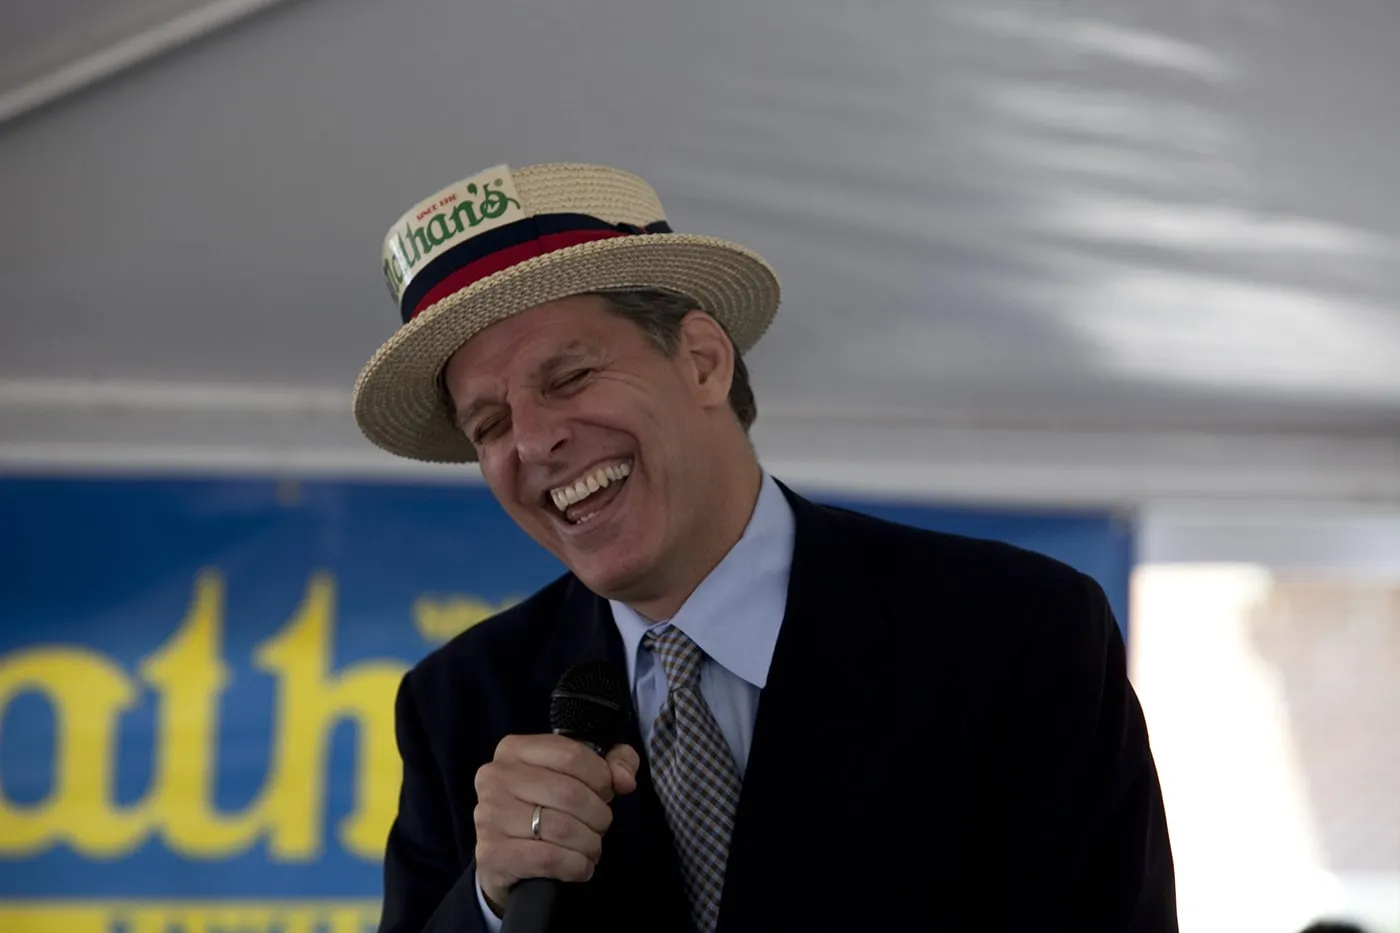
[{"x": 538, "y": 432}]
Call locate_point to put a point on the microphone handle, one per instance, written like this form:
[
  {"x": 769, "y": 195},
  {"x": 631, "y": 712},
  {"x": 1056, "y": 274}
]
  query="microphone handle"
[
  {"x": 531, "y": 902},
  {"x": 529, "y": 905}
]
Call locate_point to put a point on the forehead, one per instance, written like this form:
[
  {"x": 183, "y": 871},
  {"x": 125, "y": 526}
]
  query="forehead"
[{"x": 534, "y": 340}]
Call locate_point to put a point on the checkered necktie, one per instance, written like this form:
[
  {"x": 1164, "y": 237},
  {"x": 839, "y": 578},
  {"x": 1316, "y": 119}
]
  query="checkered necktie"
[{"x": 693, "y": 770}]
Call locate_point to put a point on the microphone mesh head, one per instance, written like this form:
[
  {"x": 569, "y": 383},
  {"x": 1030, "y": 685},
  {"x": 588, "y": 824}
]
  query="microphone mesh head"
[{"x": 591, "y": 704}]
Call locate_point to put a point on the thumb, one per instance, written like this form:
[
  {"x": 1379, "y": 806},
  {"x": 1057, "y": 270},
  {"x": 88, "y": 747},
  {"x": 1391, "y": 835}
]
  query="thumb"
[{"x": 623, "y": 761}]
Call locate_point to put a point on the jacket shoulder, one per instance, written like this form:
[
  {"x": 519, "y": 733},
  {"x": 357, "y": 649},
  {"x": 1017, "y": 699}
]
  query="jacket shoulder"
[
  {"x": 989, "y": 604},
  {"x": 952, "y": 561}
]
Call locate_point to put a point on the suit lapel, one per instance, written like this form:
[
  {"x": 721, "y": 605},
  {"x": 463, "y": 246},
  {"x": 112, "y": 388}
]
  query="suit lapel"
[
  {"x": 828, "y": 681},
  {"x": 637, "y": 876},
  {"x": 583, "y": 631}
]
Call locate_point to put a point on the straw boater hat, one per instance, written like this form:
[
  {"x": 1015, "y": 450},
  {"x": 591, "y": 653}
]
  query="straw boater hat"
[{"x": 504, "y": 241}]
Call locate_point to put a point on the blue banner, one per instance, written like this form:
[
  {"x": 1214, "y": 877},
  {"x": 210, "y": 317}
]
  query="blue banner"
[{"x": 197, "y": 682}]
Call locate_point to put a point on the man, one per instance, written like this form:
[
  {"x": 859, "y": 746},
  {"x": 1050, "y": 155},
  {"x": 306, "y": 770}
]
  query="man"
[{"x": 839, "y": 724}]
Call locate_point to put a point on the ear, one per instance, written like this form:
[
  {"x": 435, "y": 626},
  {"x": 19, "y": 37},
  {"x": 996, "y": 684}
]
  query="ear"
[{"x": 709, "y": 354}]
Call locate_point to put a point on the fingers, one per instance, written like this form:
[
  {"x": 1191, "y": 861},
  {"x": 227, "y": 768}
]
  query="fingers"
[
  {"x": 528, "y": 858},
  {"x": 511, "y": 820},
  {"x": 557, "y": 753},
  {"x": 623, "y": 762},
  {"x": 506, "y": 783},
  {"x": 571, "y": 784}
]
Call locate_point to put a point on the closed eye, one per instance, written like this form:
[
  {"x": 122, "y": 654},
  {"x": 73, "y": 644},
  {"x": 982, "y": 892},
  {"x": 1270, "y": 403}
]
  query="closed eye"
[
  {"x": 486, "y": 429},
  {"x": 571, "y": 380}
]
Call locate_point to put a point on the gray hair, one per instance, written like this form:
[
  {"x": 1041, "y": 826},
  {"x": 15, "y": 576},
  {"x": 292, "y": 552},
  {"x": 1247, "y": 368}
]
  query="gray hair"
[{"x": 658, "y": 312}]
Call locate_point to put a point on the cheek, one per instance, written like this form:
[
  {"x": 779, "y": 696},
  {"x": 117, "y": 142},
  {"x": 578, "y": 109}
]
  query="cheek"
[
  {"x": 500, "y": 480},
  {"x": 670, "y": 430}
]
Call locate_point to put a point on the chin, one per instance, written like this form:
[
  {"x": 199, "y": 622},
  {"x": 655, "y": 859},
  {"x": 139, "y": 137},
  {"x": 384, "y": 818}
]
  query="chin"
[{"x": 613, "y": 576}]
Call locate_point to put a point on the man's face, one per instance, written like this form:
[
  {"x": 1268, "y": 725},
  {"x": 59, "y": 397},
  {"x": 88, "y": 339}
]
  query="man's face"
[{"x": 593, "y": 440}]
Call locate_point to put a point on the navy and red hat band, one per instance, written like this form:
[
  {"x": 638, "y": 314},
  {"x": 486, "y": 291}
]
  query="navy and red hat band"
[{"x": 503, "y": 247}]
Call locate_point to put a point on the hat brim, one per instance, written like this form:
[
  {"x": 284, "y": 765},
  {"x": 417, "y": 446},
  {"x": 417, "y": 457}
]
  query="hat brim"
[{"x": 398, "y": 399}]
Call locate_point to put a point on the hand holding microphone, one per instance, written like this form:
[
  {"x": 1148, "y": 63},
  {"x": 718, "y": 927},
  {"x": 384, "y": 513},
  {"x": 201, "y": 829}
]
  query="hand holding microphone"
[{"x": 543, "y": 802}]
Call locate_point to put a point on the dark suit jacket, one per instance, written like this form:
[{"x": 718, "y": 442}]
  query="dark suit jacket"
[{"x": 947, "y": 741}]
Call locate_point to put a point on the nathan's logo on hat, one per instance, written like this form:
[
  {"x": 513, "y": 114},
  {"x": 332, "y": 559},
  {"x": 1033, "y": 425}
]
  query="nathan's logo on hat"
[{"x": 431, "y": 227}]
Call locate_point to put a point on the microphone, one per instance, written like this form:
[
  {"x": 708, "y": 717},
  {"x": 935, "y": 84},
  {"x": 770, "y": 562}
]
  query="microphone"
[{"x": 590, "y": 704}]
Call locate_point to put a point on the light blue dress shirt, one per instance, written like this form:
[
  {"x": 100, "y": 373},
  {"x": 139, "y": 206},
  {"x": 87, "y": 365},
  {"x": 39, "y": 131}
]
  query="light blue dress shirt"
[{"x": 734, "y": 615}]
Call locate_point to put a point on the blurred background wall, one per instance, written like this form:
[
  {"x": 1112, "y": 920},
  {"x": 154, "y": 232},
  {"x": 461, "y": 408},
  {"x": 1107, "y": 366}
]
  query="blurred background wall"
[{"x": 1114, "y": 281}]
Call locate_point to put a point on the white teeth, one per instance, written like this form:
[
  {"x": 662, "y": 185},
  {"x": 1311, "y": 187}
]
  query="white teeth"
[{"x": 600, "y": 478}]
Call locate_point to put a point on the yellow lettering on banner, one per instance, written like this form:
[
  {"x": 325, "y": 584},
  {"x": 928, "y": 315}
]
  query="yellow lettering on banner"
[
  {"x": 189, "y": 674},
  {"x": 88, "y": 694},
  {"x": 441, "y": 620},
  {"x": 188, "y": 917},
  {"x": 238, "y": 918},
  {"x": 312, "y": 701}
]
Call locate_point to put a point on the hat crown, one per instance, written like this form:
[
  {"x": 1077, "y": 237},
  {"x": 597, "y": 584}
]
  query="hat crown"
[
  {"x": 602, "y": 192},
  {"x": 498, "y": 196}
]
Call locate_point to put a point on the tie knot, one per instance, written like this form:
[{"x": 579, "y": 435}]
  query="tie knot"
[{"x": 680, "y": 657}]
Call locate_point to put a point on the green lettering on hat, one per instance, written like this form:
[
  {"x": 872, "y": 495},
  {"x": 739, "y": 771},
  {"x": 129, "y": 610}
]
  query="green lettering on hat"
[
  {"x": 494, "y": 202},
  {"x": 438, "y": 231},
  {"x": 472, "y": 218},
  {"x": 483, "y": 202}
]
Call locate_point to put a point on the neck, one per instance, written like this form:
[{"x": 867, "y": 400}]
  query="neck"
[{"x": 735, "y": 492}]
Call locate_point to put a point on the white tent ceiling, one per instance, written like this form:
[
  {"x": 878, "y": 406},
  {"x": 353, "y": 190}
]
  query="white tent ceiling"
[{"x": 1069, "y": 250}]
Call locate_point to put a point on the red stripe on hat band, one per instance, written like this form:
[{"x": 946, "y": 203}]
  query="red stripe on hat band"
[{"x": 475, "y": 271}]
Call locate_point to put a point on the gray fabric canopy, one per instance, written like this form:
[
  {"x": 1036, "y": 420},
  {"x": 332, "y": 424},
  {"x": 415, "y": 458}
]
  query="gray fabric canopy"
[{"x": 1089, "y": 251}]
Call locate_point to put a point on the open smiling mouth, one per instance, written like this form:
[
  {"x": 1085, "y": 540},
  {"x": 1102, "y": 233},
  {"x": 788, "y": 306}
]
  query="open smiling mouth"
[{"x": 583, "y": 499}]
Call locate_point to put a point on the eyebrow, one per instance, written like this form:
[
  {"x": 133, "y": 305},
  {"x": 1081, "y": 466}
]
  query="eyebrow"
[
  {"x": 571, "y": 353},
  {"x": 575, "y": 351}
]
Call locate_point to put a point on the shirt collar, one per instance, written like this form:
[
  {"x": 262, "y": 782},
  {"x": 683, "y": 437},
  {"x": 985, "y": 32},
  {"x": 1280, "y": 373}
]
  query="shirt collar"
[{"x": 735, "y": 613}]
